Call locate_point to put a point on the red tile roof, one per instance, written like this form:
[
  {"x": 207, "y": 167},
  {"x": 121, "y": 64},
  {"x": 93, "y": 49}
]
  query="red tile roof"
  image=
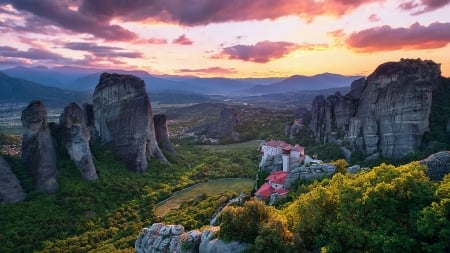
[
  {"x": 282, "y": 192},
  {"x": 265, "y": 190},
  {"x": 275, "y": 144},
  {"x": 298, "y": 148},
  {"x": 278, "y": 177}
]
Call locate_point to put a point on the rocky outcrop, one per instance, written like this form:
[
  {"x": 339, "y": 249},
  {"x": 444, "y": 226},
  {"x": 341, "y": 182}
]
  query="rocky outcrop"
[
  {"x": 162, "y": 133},
  {"x": 311, "y": 172},
  {"x": 167, "y": 238},
  {"x": 38, "y": 153},
  {"x": 88, "y": 116},
  {"x": 173, "y": 239},
  {"x": 222, "y": 128},
  {"x": 438, "y": 165},
  {"x": 387, "y": 113},
  {"x": 75, "y": 138},
  {"x": 123, "y": 118},
  {"x": 10, "y": 189}
]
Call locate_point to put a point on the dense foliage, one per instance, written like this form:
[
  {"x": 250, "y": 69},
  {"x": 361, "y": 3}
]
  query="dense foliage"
[
  {"x": 385, "y": 209},
  {"x": 107, "y": 214}
]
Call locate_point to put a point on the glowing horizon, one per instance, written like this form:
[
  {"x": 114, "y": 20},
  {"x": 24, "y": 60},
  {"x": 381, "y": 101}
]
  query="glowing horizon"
[{"x": 237, "y": 39}]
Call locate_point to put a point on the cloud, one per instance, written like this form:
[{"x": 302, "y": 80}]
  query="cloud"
[
  {"x": 422, "y": 6},
  {"x": 386, "y": 38},
  {"x": 99, "y": 17},
  {"x": 183, "y": 40},
  {"x": 261, "y": 52},
  {"x": 31, "y": 53},
  {"x": 102, "y": 51},
  {"x": 59, "y": 14},
  {"x": 155, "y": 41},
  {"x": 374, "y": 17},
  {"x": 211, "y": 70}
]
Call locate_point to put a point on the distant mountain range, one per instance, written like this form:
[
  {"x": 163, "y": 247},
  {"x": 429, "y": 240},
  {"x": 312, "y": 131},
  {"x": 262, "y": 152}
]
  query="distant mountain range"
[
  {"x": 85, "y": 79},
  {"x": 16, "y": 90}
]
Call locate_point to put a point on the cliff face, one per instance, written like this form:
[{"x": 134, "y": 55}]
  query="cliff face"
[
  {"x": 10, "y": 189},
  {"x": 123, "y": 118},
  {"x": 222, "y": 128},
  {"x": 162, "y": 133},
  {"x": 38, "y": 153},
  {"x": 76, "y": 136},
  {"x": 386, "y": 114}
]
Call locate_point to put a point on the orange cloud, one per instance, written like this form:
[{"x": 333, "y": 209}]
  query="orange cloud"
[{"x": 386, "y": 38}]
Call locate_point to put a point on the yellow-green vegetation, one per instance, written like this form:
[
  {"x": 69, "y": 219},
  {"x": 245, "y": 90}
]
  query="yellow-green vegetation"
[
  {"x": 106, "y": 215},
  {"x": 210, "y": 188},
  {"x": 385, "y": 209}
]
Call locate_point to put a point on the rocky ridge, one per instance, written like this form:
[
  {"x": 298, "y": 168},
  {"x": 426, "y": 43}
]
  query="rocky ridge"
[
  {"x": 383, "y": 115},
  {"x": 38, "y": 153},
  {"x": 123, "y": 118},
  {"x": 75, "y": 138}
]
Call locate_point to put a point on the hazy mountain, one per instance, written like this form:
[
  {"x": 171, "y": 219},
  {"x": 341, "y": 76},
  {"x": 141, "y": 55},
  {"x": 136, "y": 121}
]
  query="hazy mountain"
[
  {"x": 85, "y": 79},
  {"x": 298, "y": 83},
  {"x": 20, "y": 90}
]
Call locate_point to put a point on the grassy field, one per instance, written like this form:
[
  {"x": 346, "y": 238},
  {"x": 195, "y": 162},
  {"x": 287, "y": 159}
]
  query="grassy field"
[
  {"x": 212, "y": 187},
  {"x": 235, "y": 146}
]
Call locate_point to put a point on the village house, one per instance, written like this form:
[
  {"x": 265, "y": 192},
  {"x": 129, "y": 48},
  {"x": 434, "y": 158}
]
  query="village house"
[{"x": 292, "y": 156}]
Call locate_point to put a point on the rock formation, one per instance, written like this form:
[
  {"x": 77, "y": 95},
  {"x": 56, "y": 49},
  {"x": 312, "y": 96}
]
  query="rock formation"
[
  {"x": 10, "y": 189},
  {"x": 385, "y": 114},
  {"x": 438, "y": 165},
  {"x": 75, "y": 138},
  {"x": 162, "y": 133},
  {"x": 222, "y": 128},
  {"x": 88, "y": 115},
  {"x": 38, "y": 153},
  {"x": 123, "y": 118},
  {"x": 173, "y": 239}
]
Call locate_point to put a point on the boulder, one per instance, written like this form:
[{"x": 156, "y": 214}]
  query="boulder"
[
  {"x": 10, "y": 189},
  {"x": 123, "y": 118},
  {"x": 438, "y": 165},
  {"x": 75, "y": 138},
  {"x": 162, "y": 133},
  {"x": 38, "y": 153},
  {"x": 211, "y": 244}
]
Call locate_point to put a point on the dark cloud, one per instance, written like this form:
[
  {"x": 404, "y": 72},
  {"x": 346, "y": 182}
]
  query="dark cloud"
[
  {"x": 94, "y": 16},
  {"x": 59, "y": 14},
  {"x": 102, "y": 51},
  {"x": 385, "y": 38},
  {"x": 183, "y": 40},
  {"x": 32, "y": 53},
  {"x": 211, "y": 70},
  {"x": 261, "y": 52},
  {"x": 422, "y": 6}
]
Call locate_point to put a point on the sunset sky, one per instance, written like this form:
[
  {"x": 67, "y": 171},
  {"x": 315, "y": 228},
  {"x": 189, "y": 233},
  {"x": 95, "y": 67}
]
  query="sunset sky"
[{"x": 232, "y": 38}]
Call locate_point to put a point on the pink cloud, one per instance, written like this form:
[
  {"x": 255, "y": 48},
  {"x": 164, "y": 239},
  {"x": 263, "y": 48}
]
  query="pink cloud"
[
  {"x": 211, "y": 70},
  {"x": 102, "y": 51},
  {"x": 183, "y": 40},
  {"x": 422, "y": 6},
  {"x": 374, "y": 18},
  {"x": 386, "y": 38},
  {"x": 263, "y": 51},
  {"x": 156, "y": 41}
]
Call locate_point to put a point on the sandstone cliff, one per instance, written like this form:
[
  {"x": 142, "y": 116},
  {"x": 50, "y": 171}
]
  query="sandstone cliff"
[
  {"x": 385, "y": 114},
  {"x": 123, "y": 118},
  {"x": 10, "y": 189},
  {"x": 75, "y": 138},
  {"x": 162, "y": 133},
  {"x": 38, "y": 153}
]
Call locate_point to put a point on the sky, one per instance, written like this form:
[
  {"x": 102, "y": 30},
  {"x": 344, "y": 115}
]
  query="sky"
[{"x": 229, "y": 38}]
